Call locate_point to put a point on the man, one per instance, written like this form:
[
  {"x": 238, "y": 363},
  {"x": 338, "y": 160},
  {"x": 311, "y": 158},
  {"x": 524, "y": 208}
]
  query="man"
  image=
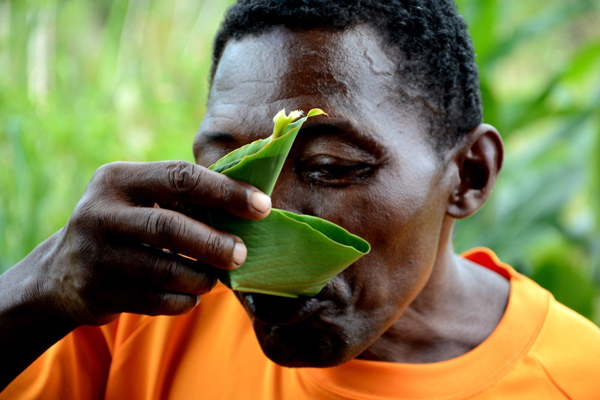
[{"x": 402, "y": 154}]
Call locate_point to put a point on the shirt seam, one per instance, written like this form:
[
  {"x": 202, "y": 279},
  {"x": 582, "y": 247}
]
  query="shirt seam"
[
  {"x": 522, "y": 354},
  {"x": 539, "y": 362}
]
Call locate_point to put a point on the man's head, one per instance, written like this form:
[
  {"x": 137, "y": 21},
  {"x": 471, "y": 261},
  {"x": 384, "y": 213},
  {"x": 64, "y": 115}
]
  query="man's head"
[
  {"x": 428, "y": 39},
  {"x": 370, "y": 167}
]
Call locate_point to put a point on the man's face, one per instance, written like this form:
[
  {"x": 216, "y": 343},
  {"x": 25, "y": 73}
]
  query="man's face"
[{"x": 369, "y": 167}]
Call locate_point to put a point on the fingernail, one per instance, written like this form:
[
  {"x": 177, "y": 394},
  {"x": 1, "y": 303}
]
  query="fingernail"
[
  {"x": 260, "y": 202},
  {"x": 239, "y": 253},
  {"x": 197, "y": 301}
]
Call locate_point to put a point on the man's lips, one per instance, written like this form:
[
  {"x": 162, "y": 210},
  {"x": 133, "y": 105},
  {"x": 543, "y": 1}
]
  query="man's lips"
[{"x": 275, "y": 310}]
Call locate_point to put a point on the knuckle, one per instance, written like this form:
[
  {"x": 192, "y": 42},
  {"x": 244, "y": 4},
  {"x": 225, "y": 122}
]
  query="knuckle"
[
  {"x": 164, "y": 272},
  {"x": 224, "y": 188},
  {"x": 151, "y": 303},
  {"x": 213, "y": 248},
  {"x": 108, "y": 182},
  {"x": 86, "y": 218},
  {"x": 106, "y": 220},
  {"x": 107, "y": 173},
  {"x": 82, "y": 216},
  {"x": 165, "y": 304},
  {"x": 164, "y": 225},
  {"x": 184, "y": 177},
  {"x": 204, "y": 285},
  {"x": 93, "y": 215}
]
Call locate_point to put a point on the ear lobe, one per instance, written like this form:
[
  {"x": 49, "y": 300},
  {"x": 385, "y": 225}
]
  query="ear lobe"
[{"x": 479, "y": 160}]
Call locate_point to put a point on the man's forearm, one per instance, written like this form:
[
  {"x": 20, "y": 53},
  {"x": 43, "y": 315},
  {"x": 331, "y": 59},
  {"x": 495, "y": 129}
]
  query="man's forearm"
[{"x": 28, "y": 326}]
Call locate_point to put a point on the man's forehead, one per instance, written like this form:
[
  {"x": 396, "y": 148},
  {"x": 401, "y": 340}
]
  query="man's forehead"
[
  {"x": 348, "y": 73},
  {"x": 289, "y": 64}
]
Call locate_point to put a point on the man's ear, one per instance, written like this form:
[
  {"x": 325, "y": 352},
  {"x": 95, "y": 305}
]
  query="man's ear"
[{"x": 479, "y": 160}]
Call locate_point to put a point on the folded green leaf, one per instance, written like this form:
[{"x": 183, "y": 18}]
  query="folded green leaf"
[
  {"x": 288, "y": 254},
  {"x": 259, "y": 163}
]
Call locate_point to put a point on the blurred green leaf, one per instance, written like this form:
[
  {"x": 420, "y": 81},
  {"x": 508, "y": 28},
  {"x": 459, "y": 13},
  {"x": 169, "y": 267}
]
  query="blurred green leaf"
[
  {"x": 584, "y": 63},
  {"x": 556, "y": 271},
  {"x": 547, "y": 19},
  {"x": 595, "y": 174}
]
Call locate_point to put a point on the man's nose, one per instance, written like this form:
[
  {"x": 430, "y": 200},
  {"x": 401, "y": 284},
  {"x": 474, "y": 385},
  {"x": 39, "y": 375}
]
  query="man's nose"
[{"x": 290, "y": 194}]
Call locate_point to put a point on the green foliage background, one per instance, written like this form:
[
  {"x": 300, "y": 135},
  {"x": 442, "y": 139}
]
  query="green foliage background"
[{"x": 85, "y": 83}]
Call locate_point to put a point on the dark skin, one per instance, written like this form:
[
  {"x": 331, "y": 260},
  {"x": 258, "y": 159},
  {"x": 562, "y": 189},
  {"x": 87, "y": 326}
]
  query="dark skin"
[
  {"x": 348, "y": 162},
  {"x": 106, "y": 260},
  {"x": 370, "y": 167}
]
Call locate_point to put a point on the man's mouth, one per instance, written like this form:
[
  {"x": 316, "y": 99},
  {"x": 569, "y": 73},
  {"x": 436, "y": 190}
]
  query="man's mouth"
[{"x": 275, "y": 310}]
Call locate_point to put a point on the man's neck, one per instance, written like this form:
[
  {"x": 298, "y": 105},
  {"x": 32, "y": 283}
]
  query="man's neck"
[{"x": 458, "y": 308}]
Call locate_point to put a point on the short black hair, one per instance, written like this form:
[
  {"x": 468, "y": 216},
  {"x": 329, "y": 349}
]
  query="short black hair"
[{"x": 438, "y": 56}]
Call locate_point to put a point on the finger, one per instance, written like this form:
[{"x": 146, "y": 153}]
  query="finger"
[
  {"x": 181, "y": 234},
  {"x": 180, "y": 181},
  {"x": 153, "y": 268},
  {"x": 157, "y": 302}
]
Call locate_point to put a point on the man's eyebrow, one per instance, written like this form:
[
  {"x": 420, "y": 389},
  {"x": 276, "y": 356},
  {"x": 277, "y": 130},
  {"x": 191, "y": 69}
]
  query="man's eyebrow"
[
  {"x": 344, "y": 130},
  {"x": 311, "y": 129},
  {"x": 324, "y": 127},
  {"x": 219, "y": 136}
]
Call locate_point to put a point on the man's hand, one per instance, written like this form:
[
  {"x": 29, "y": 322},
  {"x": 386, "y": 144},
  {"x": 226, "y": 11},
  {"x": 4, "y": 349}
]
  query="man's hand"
[{"x": 110, "y": 258}]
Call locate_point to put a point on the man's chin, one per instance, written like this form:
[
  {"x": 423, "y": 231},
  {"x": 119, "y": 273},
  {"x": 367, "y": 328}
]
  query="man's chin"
[{"x": 294, "y": 347}]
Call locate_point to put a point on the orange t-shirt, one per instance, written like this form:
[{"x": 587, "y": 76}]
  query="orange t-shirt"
[{"x": 540, "y": 350}]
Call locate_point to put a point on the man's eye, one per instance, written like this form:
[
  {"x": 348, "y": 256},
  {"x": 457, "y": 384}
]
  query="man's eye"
[{"x": 332, "y": 171}]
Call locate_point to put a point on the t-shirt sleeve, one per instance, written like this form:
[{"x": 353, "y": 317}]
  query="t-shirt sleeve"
[{"x": 76, "y": 367}]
